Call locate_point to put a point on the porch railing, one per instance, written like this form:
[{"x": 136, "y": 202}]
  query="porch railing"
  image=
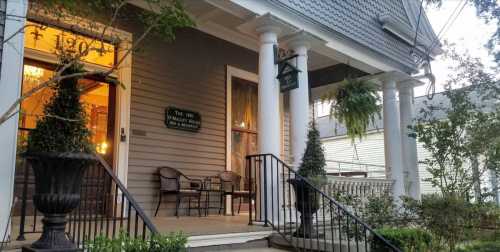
[
  {"x": 106, "y": 209},
  {"x": 334, "y": 227},
  {"x": 359, "y": 187}
]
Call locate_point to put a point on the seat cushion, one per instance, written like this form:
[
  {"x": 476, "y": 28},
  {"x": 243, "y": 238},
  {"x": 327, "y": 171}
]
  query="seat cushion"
[{"x": 189, "y": 191}]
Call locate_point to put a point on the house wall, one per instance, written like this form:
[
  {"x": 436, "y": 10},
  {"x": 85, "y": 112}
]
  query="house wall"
[
  {"x": 188, "y": 73},
  {"x": 369, "y": 151}
]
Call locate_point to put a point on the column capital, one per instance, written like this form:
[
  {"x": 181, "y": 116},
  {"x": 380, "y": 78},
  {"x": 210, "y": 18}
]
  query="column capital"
[
  {"x": 301, "y": 41},
  {"x": 266, "y": 23},
  {"x": 407, "y": 86}
]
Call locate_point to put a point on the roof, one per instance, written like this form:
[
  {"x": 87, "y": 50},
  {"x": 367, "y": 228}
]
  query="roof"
[
  {"x": 385, "y": 27},
  {"x": 329, "y": 127}
]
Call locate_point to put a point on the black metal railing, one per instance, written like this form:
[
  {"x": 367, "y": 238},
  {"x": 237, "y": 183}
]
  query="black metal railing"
[
  {"x": 106, "y": 209},
  {"x": 330, "y": 226}
]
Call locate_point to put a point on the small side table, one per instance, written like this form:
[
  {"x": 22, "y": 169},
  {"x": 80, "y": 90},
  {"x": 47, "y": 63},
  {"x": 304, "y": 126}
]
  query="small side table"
[{"x": 209, "y": 186}]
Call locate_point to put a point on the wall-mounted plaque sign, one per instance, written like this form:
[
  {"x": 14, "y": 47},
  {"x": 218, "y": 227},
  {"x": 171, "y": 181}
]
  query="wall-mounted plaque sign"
[{"x": 182, "y": 119}]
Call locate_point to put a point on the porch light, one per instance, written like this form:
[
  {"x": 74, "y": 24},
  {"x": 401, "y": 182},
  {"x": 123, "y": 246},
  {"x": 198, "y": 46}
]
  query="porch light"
[{"x": 33, "y": 73}]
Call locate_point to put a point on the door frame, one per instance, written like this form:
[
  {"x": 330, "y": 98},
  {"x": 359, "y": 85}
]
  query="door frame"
[
  {"x": 241, "y": 74},
  {"x": 122, "y": 95}
]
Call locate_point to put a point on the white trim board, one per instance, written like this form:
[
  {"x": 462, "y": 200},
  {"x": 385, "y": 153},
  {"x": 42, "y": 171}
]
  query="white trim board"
[{"x": 230, "y": 73}]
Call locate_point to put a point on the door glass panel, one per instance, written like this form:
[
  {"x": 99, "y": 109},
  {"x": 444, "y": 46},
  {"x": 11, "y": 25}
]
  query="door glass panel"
[
  {"x": 244, "y": 104},
  {"x": 244, "y": 125}
]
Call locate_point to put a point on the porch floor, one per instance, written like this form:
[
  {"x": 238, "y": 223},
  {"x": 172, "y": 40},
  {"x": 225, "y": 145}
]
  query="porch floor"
[{"x": 207, "y": 225}]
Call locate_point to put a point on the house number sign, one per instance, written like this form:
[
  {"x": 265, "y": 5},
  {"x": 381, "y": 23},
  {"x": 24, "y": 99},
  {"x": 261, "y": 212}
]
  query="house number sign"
[{"x": 182, "y": 119}]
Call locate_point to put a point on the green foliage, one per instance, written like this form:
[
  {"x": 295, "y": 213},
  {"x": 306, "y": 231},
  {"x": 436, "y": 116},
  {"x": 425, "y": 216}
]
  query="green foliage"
[
  {"x": 355, "y": 103},
  {"x": 481, "y": 246},
  {"x": 469, "y": 130},
  {"x": 63, "y": 127},
  {"x": 174, "y": 242},
  {"x": 313, "y": 162},
  {"x": 379, "y": 211},
  {"x": 449, "y": 217},
  {"x": 407, "y": 239}
]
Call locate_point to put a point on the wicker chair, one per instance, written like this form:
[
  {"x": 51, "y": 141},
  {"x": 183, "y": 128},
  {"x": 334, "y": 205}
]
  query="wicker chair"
[
  {"x": 171, "y": 184},
  {"x": 230, "y": 186}
]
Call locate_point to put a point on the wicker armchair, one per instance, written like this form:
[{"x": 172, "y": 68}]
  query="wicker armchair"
[
  {"x": 171, "y": 184},
  {"x": 230, "y": 184}
]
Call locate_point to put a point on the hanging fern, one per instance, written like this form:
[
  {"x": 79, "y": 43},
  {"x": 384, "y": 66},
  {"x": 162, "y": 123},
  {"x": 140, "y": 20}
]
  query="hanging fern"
[{"x": 355, "y": 104}]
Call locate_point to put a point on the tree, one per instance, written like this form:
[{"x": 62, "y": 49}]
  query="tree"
[
  {"x": 313, "y": 162},
  {"x": 462, "y": 129},
  {"x": 100, "y": 17}
]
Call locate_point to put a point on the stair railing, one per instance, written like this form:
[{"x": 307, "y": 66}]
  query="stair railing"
[
  {"x": 334, "y": 227},
  {"x": 106, "y": 209}
]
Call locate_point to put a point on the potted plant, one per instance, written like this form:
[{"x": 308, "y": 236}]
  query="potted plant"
[
  {"x": 312, "y": 173},
  {"x": 355, "y": 103},
  {"x": 59, "y": 151}
]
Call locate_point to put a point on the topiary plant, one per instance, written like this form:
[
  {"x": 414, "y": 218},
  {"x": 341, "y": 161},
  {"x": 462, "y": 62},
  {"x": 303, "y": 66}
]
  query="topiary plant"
[
  {"x": 313, "y": 162},
  {"x": 355, "y": 103},
  {"x": 63, "y": 128}
]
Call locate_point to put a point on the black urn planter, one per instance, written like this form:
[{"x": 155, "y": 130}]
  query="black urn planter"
[
  {"x": 307, "y": 204},
  {"x": 58, "y": 177}
]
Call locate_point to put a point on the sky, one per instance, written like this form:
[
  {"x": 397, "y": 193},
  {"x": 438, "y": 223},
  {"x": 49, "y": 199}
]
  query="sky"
[{"x": 468, "y": 32}]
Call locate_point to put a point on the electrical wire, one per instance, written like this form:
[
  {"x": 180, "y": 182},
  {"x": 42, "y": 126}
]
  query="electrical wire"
[
  {"x": 431, "y": 89},
  {"x": 418, "y": 25}
]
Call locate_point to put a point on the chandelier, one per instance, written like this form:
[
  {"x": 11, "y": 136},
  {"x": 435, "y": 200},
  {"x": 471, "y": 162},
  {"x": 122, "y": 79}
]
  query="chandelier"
[{"x": 33, "y": 73}]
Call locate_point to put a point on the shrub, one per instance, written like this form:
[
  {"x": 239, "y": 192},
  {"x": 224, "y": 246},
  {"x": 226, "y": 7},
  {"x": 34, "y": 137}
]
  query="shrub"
[
  {"x": 173, "y": 242},
  {"x": 449, "y": 217},
  {"x": 490, "y": 246},
  {"x": 407, "y": 239},
  {"x": 63, "y": 127},
  {"x": 379, "y": 211}
]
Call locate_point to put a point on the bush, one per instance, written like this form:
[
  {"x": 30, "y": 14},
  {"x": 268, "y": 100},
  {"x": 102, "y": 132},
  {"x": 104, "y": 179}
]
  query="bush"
[
  {"x": 491, "y": 246},
  {"x": 407, "y": 239},
  {"x": 174, "y": 242},
  {"x": 449, "y": 217},
  {"x": 379, "y": 211}
]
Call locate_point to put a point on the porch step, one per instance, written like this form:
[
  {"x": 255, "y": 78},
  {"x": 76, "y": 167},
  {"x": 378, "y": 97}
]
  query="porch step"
[{"x": 237, "y": 242}]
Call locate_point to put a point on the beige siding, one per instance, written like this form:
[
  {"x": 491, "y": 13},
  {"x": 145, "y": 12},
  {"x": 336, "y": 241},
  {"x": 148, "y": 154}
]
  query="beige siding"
[{"x": 190, "y": 74}]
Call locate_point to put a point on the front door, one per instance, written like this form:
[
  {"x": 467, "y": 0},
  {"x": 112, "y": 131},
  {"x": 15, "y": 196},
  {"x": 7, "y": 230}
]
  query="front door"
[
  {"x": 243, "y": 125},
  {"x": 98, "y": 99}
]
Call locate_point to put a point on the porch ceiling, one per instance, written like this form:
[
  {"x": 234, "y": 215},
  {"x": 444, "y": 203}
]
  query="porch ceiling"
[{"x": 223, "y": 18}]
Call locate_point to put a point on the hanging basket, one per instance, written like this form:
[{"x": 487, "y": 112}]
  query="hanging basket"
[{"x": 355, "y": 104}]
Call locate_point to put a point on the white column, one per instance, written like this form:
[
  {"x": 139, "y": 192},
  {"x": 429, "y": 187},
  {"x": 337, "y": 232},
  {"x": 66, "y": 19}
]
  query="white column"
[
  {"x": 269, "y": 136},
  {"x": 299, "y": 103},
  {"x": 392, "y": 138},
  {"x": 10, "y": 86},
  {"x": 409, "y": 143}
]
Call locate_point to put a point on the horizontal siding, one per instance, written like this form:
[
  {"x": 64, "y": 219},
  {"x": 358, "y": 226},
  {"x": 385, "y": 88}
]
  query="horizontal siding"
[
  {"x": 370, "y": 150},
  {"x": 189, "y": 73}
]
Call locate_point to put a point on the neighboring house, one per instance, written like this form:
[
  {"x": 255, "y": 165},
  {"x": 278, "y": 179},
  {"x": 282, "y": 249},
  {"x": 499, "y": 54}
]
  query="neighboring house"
[
  {"x": 368, "y": 154},
  {"x": 224, "y": 71}
]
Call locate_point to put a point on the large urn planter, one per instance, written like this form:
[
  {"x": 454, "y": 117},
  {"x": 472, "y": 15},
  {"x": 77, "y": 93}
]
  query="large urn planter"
[
  {"x": 307, "y": 203},
  {"x": 58, "y": 178}
]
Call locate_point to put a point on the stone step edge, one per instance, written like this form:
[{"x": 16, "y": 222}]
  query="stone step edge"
[{"x": 225, "y": 239}]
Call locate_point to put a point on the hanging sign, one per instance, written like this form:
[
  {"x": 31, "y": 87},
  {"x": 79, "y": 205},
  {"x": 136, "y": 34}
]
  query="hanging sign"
[
  {"x": 287, "y": 76},
  {"x": 182, "y": 119}
]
